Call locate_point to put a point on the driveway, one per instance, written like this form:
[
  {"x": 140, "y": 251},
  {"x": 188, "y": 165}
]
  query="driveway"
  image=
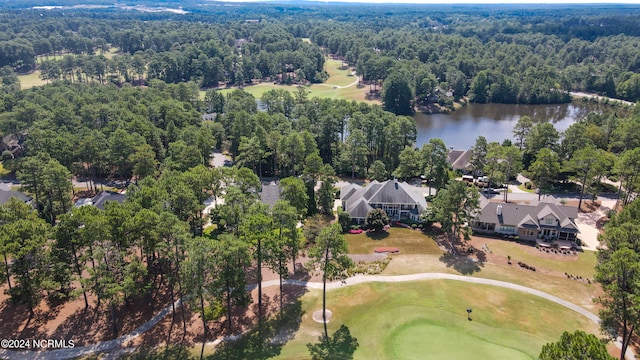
[{"x": 218, "y": 159}]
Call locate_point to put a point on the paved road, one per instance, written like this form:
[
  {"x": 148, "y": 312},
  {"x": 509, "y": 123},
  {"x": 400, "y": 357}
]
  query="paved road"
[
  {"x": 116, "y": 345},
  {"x": 5, "y": 186}
]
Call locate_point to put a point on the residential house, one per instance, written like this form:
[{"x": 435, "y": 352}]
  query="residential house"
[
  {"x": 398, "y": 199},
  {"x": 101, "y": 199},
  {"x": 460, "y": 160},
  {"x": 209, "y": 116},
  {"x": 270, "y": 192},
  {"x": 13, "y": 144},
  {"x": 545, "y": 221},
  {"x": 5, "y": 195}
]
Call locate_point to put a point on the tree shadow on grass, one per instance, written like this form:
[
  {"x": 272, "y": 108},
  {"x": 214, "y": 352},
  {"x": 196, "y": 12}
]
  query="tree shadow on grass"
[
  {"x": 340, "y": 346},
  {"x": 264, "y": 341},
  {"x": 377, "y": 235},
  {"x": 462, "y": 264}
]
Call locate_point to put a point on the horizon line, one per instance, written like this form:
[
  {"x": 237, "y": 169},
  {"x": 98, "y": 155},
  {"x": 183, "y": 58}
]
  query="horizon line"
[{"x": 449, "y": 2}]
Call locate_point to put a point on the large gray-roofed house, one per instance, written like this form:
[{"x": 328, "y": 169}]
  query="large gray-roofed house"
[
  {"x": 5, "y": 195},
  {"x": 398, "y": 199},
  {"x": 545, "y": 221}
]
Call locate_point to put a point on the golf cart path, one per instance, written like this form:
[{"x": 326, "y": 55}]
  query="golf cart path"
[{"x": 117, "y": 345}]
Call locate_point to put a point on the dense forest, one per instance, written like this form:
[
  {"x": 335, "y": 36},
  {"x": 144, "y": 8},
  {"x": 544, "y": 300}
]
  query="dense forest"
[
  {"x": 492, "y": 54},
  {"x": 134, "y": 97}
]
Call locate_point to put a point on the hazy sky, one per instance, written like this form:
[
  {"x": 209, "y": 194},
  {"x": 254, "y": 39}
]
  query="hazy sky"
[{"x": 475, "y": 1}]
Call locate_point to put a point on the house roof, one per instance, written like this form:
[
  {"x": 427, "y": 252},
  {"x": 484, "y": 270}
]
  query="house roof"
[
  {"x": 360, "y": 210},
  {"x": 528, "y": 221},
  {"x": 546, "y": 210},
  {"x": 83, "y": 202},
  {"x": 459, "y": 159},
  {"x": 211, "y": 116},
  {"x": 528, "y": 215},
  {"x": 101, "y": 199},
  {"x": 270, "y": 193},
  {"x": 348, "y": 190},
  {"x": 388, "y": 192},
  {"x": 5, "y": 195}
]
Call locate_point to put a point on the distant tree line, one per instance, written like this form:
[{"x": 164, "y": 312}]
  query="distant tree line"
[{"x": 497, "y": 56}]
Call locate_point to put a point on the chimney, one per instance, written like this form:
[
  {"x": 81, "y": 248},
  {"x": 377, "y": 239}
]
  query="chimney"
[{"x": 499, "y": 210}]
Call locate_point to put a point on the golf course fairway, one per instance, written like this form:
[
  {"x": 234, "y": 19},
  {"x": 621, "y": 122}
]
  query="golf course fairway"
[{"x": 429, "y": 320}]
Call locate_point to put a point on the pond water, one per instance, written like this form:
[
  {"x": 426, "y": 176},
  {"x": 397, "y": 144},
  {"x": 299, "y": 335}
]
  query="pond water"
[{"x": 461, "y": 128}]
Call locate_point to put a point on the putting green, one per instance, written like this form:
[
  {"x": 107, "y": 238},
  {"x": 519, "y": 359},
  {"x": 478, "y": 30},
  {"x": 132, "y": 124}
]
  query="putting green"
[{"x": 422, "y": 339}]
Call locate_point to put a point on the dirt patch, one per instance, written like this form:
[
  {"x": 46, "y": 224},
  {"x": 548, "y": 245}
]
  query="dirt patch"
[
  {"x": 317, "y": 316},
  {"x": 367, "y": 257},
  {"x": 588, "y": 206}
]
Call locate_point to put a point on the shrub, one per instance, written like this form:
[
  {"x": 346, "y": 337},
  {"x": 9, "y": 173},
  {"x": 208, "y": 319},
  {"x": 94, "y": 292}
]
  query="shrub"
[
  {"x": 527, "y": 185},
  {"x": 369, "y": 268},
  {"x": 214, "y": 311}
]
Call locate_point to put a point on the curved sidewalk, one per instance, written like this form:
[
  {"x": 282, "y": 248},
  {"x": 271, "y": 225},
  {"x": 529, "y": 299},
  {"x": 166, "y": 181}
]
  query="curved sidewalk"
[{"x": 360, "y": 279}]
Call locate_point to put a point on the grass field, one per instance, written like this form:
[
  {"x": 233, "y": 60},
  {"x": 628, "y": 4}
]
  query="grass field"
[
  {"x": 410, "y": 320},
  {"x": 109, "y": 54},
  {"x": 338, "y": 75},
  {"x": 30, "y": 80},
  {"x": 419, "y": 253},
  {"x": 581, "y": 265},
  {"x": 574, "y": 291},
  {"x": 331, "y": 89},
  {"x": 407, "y": 240}
]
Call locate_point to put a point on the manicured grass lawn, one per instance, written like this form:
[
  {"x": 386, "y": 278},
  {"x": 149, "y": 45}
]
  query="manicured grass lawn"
[
  {"x": 109, "y": 54},
  {"x": 30, "y": 80},
  {"x": 581, "y": 265},
  {"x": 315, "y": 90},
  {"x": 337, "y": 74},
  {"x": 411, "y": 320},
  {"x": 579, "y": 293},
  {"x": 42, "y": 58},
  {"x": 407, "y": 240},
  {"x": 338, "y": 77}
]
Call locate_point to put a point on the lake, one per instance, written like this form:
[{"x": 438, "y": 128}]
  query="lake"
[{"x": 461, "y": 128}]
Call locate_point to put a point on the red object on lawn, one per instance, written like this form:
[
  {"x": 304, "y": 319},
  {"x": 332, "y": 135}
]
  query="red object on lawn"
[
  {"x": 355, "y": 231},
  {"x": 387, "y": 249}
]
